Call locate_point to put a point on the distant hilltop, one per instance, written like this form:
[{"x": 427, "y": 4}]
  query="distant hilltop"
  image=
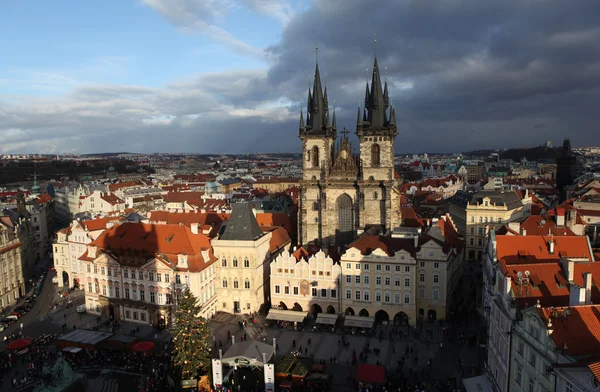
[{"x": 539, "y": 153}]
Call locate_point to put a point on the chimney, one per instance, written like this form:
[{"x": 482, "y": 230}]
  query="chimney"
[
  {"x": 194, "y": 228},
  {"x": 587, "y": 281},
  {"x": 551, "y": 248},
  {"x": 570, "y": 270},
  {"x": 523, "y": 232},
  {"x": 416, "y": 238}
]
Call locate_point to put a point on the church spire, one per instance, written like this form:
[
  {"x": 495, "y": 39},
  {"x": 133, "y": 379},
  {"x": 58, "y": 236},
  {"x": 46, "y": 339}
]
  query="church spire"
[
  {"x": 301, "y": 121},
  {"x": 333, "y": 122},
  {"x": 317, "y": 111},
  {"x": 376, "y": 105}
]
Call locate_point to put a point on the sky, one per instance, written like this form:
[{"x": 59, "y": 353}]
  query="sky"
[{"x": 231, "y": 76}]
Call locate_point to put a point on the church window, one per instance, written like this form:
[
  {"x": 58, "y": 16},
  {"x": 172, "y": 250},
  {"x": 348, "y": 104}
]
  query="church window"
[
  {"x": 371, "y": 178},
  {"x": 308, "y": 156},
  {"x": 315, "y": 156},
  {"x": 375, "y": 195},
  {"x": 315, "y": 205},
  {"x": 375, "y": 152}
]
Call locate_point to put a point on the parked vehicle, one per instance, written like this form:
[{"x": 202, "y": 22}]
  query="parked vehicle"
[
  {"x": 12, "y": 317},
  {"x": 55, "y": 279},
  {"x": 81, "y": 309}
]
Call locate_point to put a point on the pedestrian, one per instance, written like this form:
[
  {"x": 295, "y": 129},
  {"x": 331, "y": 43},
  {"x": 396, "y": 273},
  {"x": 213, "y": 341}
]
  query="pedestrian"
[
  {"x": 294, "y": 344},
  {"x": 306, "y": 351}
]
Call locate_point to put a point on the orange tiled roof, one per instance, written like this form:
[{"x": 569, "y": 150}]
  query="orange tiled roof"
[
  {"x": 367, "y": 243},
  {"x": 167, "y": 241},
  {"x": 111, "y": 199},
  {"x": 410, "y": 218},
  {"x": 180, "y": 197},
  {"x": 535, "y": 249},
  {"x": 275, "y": 219},
  {"x": 205, "y": 220},
  {"x": 43, "y": 198},
  {"x": 541, "y": 225},
  {"x": 279, "y": 238},
  {"x": 99, "y": 223},
  {"x": 579, "y": 332},
  {"x": 595, "y": 369}
]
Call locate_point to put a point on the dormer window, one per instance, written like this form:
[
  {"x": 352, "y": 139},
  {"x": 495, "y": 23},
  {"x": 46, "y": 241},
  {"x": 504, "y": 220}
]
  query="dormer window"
[{"x": 182, "y": 261}]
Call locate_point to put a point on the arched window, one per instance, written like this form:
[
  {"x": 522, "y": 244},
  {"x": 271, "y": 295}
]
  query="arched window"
[
  {"x": 224, "y": 283},
  {"x": 375, "y": 153},
  {"x": 246, "y": 262},
  {"x": 308, "y": 156},
  {"x": 375, "y": 195},
  {"x": 224, "y": 262},
  {"x": 235, "y": 284},
  {"x": 235, "y": 263},
  {"x": 246, "y": 284},
  {"x": 315, "y": 156}
]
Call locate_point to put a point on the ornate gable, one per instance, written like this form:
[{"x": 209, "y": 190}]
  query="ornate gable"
[{"x": 346, "y": 162}]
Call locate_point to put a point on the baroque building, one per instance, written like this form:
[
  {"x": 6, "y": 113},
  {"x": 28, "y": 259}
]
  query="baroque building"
[{"x": 344, "y": 192}]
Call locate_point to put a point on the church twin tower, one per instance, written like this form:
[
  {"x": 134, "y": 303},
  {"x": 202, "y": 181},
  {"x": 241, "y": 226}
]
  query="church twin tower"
[{"x": 342, "y": 192}]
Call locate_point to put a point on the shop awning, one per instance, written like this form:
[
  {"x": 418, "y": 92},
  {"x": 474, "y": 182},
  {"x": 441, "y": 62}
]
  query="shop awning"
[
  {"x": 359, "y": 322},
  {"x": 477, "y": 384},
  {"x": 18, "y": 344},
  {"x": 324, "y": 318},
  {"x": 286, "y": 315}
]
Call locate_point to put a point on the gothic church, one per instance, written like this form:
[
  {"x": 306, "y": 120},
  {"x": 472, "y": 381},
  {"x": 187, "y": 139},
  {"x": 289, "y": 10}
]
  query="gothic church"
[{"x": 344, "y": 193}]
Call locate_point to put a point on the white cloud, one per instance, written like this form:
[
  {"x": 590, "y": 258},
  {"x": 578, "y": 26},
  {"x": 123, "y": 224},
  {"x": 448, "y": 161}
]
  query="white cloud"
[{"x": 198, "y": 16}]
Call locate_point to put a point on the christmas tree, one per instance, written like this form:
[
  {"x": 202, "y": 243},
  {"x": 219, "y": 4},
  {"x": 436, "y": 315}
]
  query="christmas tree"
[{"x": 191, "y": 351}]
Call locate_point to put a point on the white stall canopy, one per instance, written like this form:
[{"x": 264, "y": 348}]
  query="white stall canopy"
[{"x": 286, "y": 315}]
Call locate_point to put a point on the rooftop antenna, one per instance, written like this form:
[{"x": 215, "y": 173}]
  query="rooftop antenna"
[
  {"x": 385, "y": 74},
  {"x": 317, "y": 53}
]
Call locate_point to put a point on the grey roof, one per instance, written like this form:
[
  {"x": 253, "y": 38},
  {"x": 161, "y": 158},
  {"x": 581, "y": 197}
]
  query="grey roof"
[
  {"x": 249, "y": 349},
  {"x": 461, "y": 199},
  {"x": 242, "y": 226},
  {"x": 229, "y": 181},
  {"x": 84, "y": 336},
  {"x": 510, "y": 198}
]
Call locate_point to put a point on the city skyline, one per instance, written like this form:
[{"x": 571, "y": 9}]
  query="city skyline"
[{"x": 205, "y": 76}]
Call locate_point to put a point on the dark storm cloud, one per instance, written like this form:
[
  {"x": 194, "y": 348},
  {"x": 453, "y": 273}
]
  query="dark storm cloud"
[
  {"x": 462, "y": 74},
  {"x": 491, "y": 66}
]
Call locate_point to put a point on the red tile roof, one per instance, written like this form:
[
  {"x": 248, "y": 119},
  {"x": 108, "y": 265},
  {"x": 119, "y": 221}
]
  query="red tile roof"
[
  {"x": 367, "y": 243},
  {"x": 541, "y": 225},
  {"x": 279, "y": 238},
  {"x": 577, "y": 333},
  {"x": 180, "y": 197},
  {"x": 534, "y": 249},
  {"x": 111, "y": 199},
  {"x": 205, "y": 220},
  {"x": 595, "y": 369},
  {"x": 99, "y": 223},
  {"x": 275, "y": 219},
  {"x": 150, "y": 240},
  {"x": 410, "y": 218},
  {"x": 43, "y": 198}
]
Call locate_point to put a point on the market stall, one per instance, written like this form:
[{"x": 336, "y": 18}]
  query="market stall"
[{"x": 248, "y": 353}]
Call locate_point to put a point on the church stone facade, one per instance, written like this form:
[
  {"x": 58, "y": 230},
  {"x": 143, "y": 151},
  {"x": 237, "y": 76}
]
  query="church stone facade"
[{"x": 344, "y": 192}]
